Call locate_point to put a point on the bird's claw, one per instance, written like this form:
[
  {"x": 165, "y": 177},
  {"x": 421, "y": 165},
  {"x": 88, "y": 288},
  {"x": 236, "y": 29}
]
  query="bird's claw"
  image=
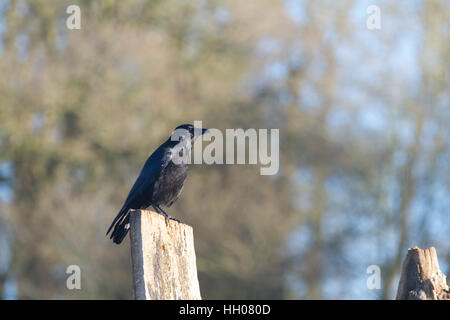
[
  {"x": 167, "y": 217},
  {"x": 174, "y": 219}
]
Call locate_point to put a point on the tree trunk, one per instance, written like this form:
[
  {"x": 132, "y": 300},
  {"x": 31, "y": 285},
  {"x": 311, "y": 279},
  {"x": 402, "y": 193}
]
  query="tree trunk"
[
  {"x": 421, "y": 277},
  {"x": 163, "y": 258}
]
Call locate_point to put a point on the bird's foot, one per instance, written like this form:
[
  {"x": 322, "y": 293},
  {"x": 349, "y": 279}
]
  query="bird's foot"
[
  {"x": 174, "y": 219},
  {"x": 167, "y": 216}
]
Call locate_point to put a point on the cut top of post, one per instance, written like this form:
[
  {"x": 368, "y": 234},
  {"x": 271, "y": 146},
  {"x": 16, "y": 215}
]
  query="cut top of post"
[{"x": 163, "y": 258}]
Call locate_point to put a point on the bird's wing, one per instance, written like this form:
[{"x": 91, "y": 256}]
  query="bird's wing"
[{"x": 149, "y": 173}]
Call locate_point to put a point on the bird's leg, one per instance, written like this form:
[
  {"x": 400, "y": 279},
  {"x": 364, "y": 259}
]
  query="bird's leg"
[
  {"x": 167, "y": 216},
  {"x": 161, "y": 211},
  {"x": 156, "y": 208}
]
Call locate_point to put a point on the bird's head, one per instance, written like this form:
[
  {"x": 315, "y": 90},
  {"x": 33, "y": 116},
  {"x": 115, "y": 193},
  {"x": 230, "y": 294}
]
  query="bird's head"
[
  {"x": 187, "y": 132},
  {"x": 184, "y": 136}
]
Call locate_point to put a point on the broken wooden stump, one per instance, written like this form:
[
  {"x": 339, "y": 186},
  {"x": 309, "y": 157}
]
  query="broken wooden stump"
[
  {"x": 163, "y": 258},
  {"x": 421, "y": 277}
]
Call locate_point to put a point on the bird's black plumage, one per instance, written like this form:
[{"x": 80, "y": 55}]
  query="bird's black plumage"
[{"x": 160, "y": 181}]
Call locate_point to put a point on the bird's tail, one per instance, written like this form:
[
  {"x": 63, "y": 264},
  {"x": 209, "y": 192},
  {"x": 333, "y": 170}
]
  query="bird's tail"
[{"x": 121, "y": 225}]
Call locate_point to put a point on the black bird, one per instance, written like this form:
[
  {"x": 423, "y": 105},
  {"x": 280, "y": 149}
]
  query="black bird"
[{"x": 160, "y": 181}]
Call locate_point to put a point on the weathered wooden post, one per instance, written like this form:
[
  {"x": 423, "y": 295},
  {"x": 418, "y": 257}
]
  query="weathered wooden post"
[
  {"x": 421, "y": 278},
  {"x": 163, "y": 258}
]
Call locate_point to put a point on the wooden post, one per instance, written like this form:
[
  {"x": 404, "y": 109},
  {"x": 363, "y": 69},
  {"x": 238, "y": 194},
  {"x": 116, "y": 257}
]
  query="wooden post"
[
  {"x": 163, "y": 258},
  {"x": 421, "y": 277}
]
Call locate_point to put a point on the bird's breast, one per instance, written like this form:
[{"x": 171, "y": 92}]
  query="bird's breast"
[{"x": 169, "y": 184}]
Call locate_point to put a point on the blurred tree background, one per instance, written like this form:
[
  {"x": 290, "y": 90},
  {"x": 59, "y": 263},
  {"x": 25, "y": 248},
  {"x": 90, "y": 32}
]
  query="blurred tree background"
[{"x": 364, "y": 140}]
